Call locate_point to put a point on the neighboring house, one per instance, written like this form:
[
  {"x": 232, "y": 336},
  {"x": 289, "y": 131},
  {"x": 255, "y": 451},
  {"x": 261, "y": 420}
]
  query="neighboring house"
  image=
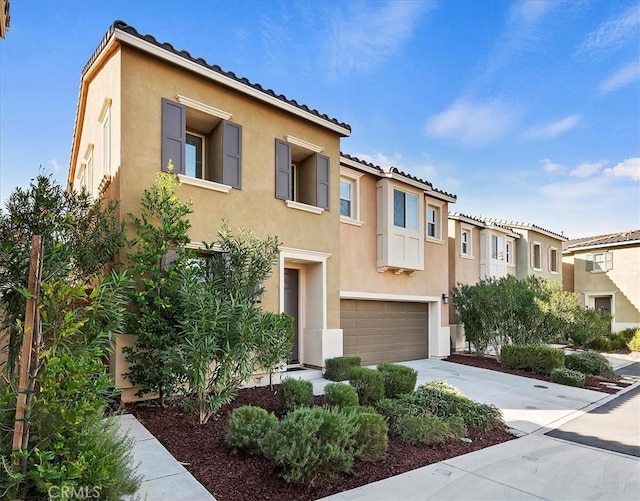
[
  {"x": 242, "y": 152},
  {"x": 605, "y": 271},
  {"x": 393, "y": 264},
  {"x": 538, "y": 250},
  {"x": 478, "y": 248},
  {"x": 5, "y": 18}
]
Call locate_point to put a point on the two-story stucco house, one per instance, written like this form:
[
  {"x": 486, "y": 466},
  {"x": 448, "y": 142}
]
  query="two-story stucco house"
[
  {"x": 357, "y": 242},
  {"x": 393, "y": 264},
  {"x": 605, "y": 271}
]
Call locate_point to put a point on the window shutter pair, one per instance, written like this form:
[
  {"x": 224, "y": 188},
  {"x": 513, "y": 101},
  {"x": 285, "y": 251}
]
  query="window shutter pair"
[
  {"x": 174, "y": 125},
  {"x": 283, "y": 175}
]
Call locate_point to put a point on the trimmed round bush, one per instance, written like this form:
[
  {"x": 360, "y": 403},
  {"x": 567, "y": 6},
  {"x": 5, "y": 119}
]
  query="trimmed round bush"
[
  {"x": 424, "y": 429},
  {"x": 534, "y": 357},
  {"x": 372, "y": 437},
  {"x": 634, "y": 343},
  {"x": 567, "y": 377},
  {"x": 398, "y": 379},
  {"x": 296, "y": 393},
  {"x": 337, "y": 368},
  {"x": 340, "y": 395},
  {"x": 369, "y": 383},
  {"x": 247, "y": 425},
  {"x": 311, "y": 441},
  {"x": 590, "y": 362}
]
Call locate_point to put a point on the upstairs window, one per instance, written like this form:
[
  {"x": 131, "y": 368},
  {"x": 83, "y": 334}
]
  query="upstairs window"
[
  {"x": 536, "y": 256},
  {"x": 106, "y": 138},
  {"x": 346, "y": 198},
  {"x": 498, "y": 248},
  {"x": 201, "y": 142},
  {"x": 301, "y": 174},
  {"x": 553, "y": 260},
  {"x": 405, "y": 210},
  {"x": 434, "y": 226},
  {"x": 508, "y": 251},
  {"x": 465, "y": 242},
  {"x": 599, "y": 262}
]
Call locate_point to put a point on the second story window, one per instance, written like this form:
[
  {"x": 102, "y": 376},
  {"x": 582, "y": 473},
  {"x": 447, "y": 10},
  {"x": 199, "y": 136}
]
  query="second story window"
[
  {"x": 497, "y": 248},
  {"x": 536, "y": 256},
  {"x": 346, "y": 198},
  {"x": 465, "y": 242},
  {"x": 599, "y": 262},
  {"x": 106, "y": 139},
  {"x": 508, "y": 251},
  {"x": 434, "y": 226},
  {"x": 553, "y": 260},
  {"x": 405, "y": 210},
  {"x": 194, "y": 155}
]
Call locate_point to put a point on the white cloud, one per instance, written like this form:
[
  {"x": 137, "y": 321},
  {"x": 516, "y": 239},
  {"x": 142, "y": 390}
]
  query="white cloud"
[
  {"x": 365, "y": 34},
  {"x": 587, "y": 169},
  {"x": 473, "y": 124},
  {"x": 549, "y": 166},
  {"x": 624, "y": 76},
  {"x": 554, "y": 129},
  {"x": 529, "y": 12},
  {"x": 613, "y": 33},
  {"x": 54, "y": 164},
  {"x": 627, "y": 168}
]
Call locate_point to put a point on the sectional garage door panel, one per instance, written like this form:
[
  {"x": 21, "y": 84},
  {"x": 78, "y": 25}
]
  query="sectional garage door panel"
[{"x": 384, "y": 331}]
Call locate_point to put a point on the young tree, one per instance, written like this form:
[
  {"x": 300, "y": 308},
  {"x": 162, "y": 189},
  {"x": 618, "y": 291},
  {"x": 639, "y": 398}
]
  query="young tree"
[{"x": 159, "y": 253}]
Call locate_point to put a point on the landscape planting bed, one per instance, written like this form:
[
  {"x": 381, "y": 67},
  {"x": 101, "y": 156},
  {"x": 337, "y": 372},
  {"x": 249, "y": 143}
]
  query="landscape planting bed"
[{"x": 238, "y": 476}]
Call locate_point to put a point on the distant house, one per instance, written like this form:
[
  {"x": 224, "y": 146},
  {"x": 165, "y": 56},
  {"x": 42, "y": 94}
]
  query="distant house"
[
  {"x": 393, "y": 264},
  {"x": 605, "y": 271}
]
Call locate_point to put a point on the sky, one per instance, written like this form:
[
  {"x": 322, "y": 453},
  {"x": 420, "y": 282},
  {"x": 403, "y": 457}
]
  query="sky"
[{"x": 527, "y": 110}]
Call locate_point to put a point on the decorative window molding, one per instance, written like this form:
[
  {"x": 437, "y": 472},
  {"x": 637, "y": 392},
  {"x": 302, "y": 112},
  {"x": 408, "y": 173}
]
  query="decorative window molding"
[
  {"x": 303, "y": 207},
  {"x": 433, "y": 224},
  {"x": 303, "y": 144},
  {"x": 553, "y": 260},
  {"x": 353, "y": 178},
  {"x": 203, "y": 183},
  {"x": 466, "y": 241},
  {"x": 509, "y": 251},
  {"x": 205, "y": 108},
  {"x": 536, "y": 256},
  {"x": 106, "y": 105}
]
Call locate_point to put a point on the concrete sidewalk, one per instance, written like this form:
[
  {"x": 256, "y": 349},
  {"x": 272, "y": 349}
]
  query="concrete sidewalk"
[{"x": 535, "y": 466}]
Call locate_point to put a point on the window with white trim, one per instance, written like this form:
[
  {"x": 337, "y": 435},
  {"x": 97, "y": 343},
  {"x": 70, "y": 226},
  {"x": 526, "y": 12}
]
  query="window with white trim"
[
  {"x": 194, "y": 155},
  {"x": 350, "y": 196},
  {"x": 536, "y": 256},
  {"x": 405, "y": 210},
  {"x": 498, "y": 248},
  {"x": 553, "y": 259},
  {"x": 466, "y": 244},
  {"x": 434, "y": 225},
  {"x": 346, "y": 198},
  {"x": 599, "y": 262},
  {"x": 508, "y": 251},
  {"x": 106, "y": 141}
]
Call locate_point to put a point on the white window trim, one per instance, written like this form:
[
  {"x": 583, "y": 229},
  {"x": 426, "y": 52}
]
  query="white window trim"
[
  {"x": 82, "y": 177},
  {"x": 532, "y": 262},
  {"x": 88, "y": 162},
  {"x": 303, "y": 207},
  {"x": 439, "y": 231},
  {"x": 551, "y": 249},
  {"x": 510, "y": 258},
  {"x": 205, "y": 108},
  {"x": 303, "y": 144},
  {"x": 590, "y": 300},
  {"x": 203, "y": 183},
  {"x": 354, "y": 179},
  {"x": 469, "y": 230},
  {"x": 106, "y": 139}
]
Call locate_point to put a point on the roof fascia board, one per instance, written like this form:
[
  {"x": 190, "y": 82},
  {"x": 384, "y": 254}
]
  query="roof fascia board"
[
  {"x": 224, "y": 80},
  {"x": 361, "y": 167},
  {"x": 601, "y": 246}
]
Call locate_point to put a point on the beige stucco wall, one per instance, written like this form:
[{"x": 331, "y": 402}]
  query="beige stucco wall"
[
  {"x": 623, "y": 282},
  {"x": 145, "y": 81},
  {"x": 358, "y": 270},
  {"x": 523, "y": 255}
]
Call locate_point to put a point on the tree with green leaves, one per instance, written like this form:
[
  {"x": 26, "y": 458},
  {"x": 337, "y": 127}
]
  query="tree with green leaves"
[{"x": 159, "y": 252}]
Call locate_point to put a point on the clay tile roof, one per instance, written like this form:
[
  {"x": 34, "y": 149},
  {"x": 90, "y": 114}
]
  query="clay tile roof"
[
  {"x": 124, "y": 27},
  {"x": 483, "y": 221},
  {"x": 399, "y": 172},
  {"x": 525, "y": 226},
  {"x": 608, "y": 239}
]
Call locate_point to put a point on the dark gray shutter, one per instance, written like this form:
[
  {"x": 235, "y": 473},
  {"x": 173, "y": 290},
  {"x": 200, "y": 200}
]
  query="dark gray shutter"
[
  {"x": 322, "y": 181},
  {"x": 588, "y": 262},
  {"x": 173, "y": 135},
  {"x": 232, "y": 154},
  {"x": 283, "y": 170}
]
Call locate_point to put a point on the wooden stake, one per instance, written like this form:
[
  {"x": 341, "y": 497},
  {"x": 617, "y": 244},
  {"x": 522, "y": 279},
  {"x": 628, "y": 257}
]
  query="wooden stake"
[{"x": 24, "y": 363}]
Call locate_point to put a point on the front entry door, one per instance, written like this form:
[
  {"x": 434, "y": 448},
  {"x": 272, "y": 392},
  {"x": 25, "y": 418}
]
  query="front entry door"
[
  {"x": 603, "y": 304},
  {"x": 291, "y": 301}
]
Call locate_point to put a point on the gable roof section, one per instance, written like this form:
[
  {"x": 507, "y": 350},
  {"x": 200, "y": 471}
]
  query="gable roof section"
[
  {"x": 514, "y": 225},
  {"x": 631, "y": 237},
  {"x": 395, "y": 173},
  {"x": 483, "y": 223}
]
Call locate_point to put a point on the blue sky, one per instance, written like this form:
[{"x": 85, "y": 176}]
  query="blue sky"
[{"x": 527, "y": 110}]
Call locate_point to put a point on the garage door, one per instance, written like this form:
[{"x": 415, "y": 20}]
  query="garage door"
[{"x": 384, "y": 331}]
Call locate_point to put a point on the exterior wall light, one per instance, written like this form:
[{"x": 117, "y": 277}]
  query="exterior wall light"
[{"x": 445, "y": 298}]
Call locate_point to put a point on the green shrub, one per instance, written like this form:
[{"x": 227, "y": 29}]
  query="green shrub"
[
  {"x": 569, "y": 377},
  {"x": 590, "y": 362},
  {"x": 340, "y": 395},
  {"x": 369, "y": 383},
  {"x": 445, "y": 401},
  {"x": 398, "y": 379},
  {"x": 372, "y": 433},
  {"x": 604, "y": 343},
  {"x": 247, "y": 426},
  {"x": 634, "y": 342},
  {"x": 337, "y": 369},
  {"x": 535, "y": 358},
  {"x": 311, "y": 441},
  {"x": 296, "y": 393},
  {"x": 427, "y": 429},
  {"x": 395, "y": 409}
]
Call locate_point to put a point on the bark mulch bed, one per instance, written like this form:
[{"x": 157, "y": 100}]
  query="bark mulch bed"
[
  {"x": 237, "y": 476},
  {"x": 591, "y": 382}
]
